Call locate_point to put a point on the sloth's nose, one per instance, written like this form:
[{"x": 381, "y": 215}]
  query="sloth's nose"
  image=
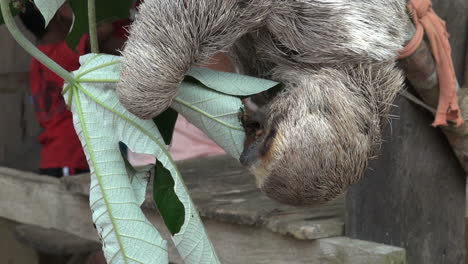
[{"x": 249, "y": 155}]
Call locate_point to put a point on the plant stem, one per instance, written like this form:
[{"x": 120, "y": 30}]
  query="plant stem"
[
  {"x": 29, "y": 47},
  {"x": 92, "y": 26}
]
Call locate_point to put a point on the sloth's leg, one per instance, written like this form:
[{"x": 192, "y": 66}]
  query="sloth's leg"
[
  {"x": 317, "y": 135},
  {"x": 304, "y": 32},
  {"x": 170, "y": 36}
]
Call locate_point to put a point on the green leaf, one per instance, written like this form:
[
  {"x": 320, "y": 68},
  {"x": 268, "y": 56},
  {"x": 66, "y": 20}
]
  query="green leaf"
[
  {"x": 14, "y": 11},
  {"x": 48, "y": 8},
  {"x": 214, "y": 113},
  {"x": 169, "y": 205},
  {"x": 106, "y": 10},
  {"x": 230, "y": 83},
  {"x": 166, "y": 123},
  {"x": 101, "y": 122},
  {"x": 163, "y": 185}
]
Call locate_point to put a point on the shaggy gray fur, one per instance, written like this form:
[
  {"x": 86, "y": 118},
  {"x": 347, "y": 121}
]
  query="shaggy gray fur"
[
  {"x": 170, "y": 36},
  {"x": 335, "y": 58},
  {"x": 328, "y": 124}
]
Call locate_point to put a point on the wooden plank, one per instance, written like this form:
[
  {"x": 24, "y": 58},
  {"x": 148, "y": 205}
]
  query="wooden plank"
[
  {"x": 224, "y": 191},
  {"x": 220, "y": 187},
  {"x": 414, "y": 193},
  {"x": 45, "y": 201}
]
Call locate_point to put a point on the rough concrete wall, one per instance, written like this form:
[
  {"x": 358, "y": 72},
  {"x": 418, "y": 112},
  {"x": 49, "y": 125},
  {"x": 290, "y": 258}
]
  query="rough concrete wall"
[
  {"x": 11, "y": 251},
  {"x": 18, "y": 134},
  {"x": 19, "y": 130}
]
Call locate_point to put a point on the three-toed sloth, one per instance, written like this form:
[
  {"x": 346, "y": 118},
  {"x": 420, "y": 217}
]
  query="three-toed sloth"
[{"x": 335, "y": 60}]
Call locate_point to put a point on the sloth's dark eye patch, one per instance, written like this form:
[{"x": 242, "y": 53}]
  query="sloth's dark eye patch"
[{"x": 267, "y": 143}]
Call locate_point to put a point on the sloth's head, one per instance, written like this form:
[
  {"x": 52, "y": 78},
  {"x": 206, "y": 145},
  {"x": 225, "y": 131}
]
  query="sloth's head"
[{"x": 315, "y": 139}]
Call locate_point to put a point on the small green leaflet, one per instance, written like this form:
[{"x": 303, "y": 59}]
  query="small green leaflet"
[
  {"x": 101, "y": 123},
  {"x": 48, "y": 8},
  {"x": 230, "y": 83}
]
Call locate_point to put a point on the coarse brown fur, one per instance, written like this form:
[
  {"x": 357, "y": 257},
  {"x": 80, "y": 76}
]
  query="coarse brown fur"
[{"x": 335, "y": 59}]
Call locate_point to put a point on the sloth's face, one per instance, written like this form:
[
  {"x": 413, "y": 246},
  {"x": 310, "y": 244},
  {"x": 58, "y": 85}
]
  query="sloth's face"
[{"x": 299, "y": 156}]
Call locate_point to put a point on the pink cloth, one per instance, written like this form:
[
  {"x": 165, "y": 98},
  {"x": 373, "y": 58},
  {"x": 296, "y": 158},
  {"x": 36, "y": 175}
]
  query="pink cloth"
[{"x": 188, "y": 142}]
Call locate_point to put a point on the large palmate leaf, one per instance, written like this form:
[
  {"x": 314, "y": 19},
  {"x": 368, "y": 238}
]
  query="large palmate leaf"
[
  {"x": 48, "y": 8},
  {"x": 116, "y": 191}
]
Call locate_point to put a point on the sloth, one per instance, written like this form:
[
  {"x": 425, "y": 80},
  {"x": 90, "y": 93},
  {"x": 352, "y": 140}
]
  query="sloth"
[{"x": 335, "y": 60}]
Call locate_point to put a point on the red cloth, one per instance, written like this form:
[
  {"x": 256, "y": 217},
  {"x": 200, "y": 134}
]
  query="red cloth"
[
  {"x": 121, "y": 28},
  {"x": 60, "y": 144}
]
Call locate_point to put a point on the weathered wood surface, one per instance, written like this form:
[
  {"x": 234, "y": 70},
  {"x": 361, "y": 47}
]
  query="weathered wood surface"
[
  {"x": 455, "y": 14},
  {"x": 421, "y": 71},
  {"x": 238, "y": 218},
  {"x": 225, "y": 191},
  {"x": 414, "y": 195}
]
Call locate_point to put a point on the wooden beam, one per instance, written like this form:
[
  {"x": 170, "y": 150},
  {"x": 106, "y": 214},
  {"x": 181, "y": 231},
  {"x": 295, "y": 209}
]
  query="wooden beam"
[
  {"x": 413, "y": 195},
  {"x": 421, "y": 72}
]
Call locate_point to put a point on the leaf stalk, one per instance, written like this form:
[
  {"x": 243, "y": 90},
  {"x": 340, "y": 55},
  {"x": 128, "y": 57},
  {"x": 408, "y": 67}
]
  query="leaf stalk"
[{"x": 93, "y": 26}]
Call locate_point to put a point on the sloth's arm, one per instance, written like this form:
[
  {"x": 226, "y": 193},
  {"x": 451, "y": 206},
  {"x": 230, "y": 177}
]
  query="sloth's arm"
[{"x": 170, "y": 36}]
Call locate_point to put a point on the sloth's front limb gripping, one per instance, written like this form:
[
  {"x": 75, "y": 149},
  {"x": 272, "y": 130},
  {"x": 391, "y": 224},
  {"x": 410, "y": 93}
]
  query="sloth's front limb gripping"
[{"x": 168, "y": 37}]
